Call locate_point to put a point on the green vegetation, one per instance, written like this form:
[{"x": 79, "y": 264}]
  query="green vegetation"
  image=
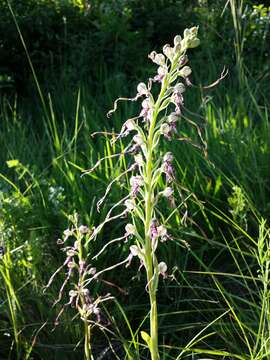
[{"x": 55, "y": 92}]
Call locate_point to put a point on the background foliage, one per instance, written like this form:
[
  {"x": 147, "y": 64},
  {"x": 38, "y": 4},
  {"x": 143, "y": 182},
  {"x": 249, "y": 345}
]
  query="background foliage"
[{"x": 84, "y": 55}]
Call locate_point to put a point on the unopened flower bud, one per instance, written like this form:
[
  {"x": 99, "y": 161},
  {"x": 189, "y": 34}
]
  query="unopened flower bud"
[
  {"x": 177, "y": 48},
  {"x": 186, "y": 33},
  {"x": 183, "y": 60},
  {"x": 142, "y": 89},
  {"x": 194, "y": 30},
  {"x": 177, "y": 40},
  {"x": 186, "y": 71},
  {"x": 159, "y": 59},
  {"x": 190, "y": 38},
  {"x": 168, "y": 51},
  {"x": 162, "y": 267},
  {"x": 194, "y": 43}
]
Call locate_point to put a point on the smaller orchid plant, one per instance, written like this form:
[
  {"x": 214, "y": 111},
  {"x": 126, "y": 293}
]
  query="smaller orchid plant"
[
  {"x": 158, "y": 118},
  {"x": 78, "y": 273}
]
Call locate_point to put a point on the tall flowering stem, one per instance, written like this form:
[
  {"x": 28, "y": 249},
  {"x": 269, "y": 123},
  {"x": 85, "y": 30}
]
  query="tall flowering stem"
[
  {"x": 158, "y": 118},
  {"x": 79, "y": 274}
]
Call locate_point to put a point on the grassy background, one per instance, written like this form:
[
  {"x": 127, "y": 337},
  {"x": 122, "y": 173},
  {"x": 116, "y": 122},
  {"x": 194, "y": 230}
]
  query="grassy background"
[{"x": 217, "y": 300}]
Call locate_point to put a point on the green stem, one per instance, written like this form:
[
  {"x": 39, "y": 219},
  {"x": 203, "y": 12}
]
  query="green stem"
[
  {"x": 151, "y": 263},
  {"x": 87, "y": 341}
]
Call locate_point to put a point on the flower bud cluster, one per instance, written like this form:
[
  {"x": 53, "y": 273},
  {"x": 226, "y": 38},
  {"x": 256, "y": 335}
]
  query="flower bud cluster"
[
  {"x": 190, "y": 38},
  {"x": 79, "y": 271}
]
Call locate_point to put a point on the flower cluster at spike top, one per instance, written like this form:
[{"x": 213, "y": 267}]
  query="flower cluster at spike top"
[
  {"x": 157, "y": 118},
  {"x": 173, "y": 77}
]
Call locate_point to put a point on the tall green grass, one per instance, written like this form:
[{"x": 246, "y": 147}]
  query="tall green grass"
[{"x": 42, "y": 183}]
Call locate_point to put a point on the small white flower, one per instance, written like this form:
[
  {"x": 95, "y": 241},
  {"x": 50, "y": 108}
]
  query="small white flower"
[
  {"x": 92, "y": 271},
  {"x": 83, "y": 229},
  {"x": 173, "y": 118},
  {"x": 162, "y": 70},
  {"x": 165, "y": 129},
  {"x": 167, "y": 192},
  {"x": 138, "y": 139},
  {"x": 162, "y": 231},
  {"x": 70, "y": 252},
  {"x": 139, "y": 159},
  {"x": 130, "y": 229},
  {"x": 168, "y": 51},
  {"x": 130, "y": 205},
  {"x": 159, "y": 59},
  {"x": 168, "y": 157},
  {"x": 134, "y": 250},
  {"x": 180, "y": 88},
  {"x": 130, "y": 125},
  {"x": 67, "y": 233},
  {"x": 136, "y": 180},
  {"x": 72, "y": 293}
]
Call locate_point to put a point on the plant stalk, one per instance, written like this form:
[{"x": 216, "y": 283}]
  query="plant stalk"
[{"x": 152, "y": 266}]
